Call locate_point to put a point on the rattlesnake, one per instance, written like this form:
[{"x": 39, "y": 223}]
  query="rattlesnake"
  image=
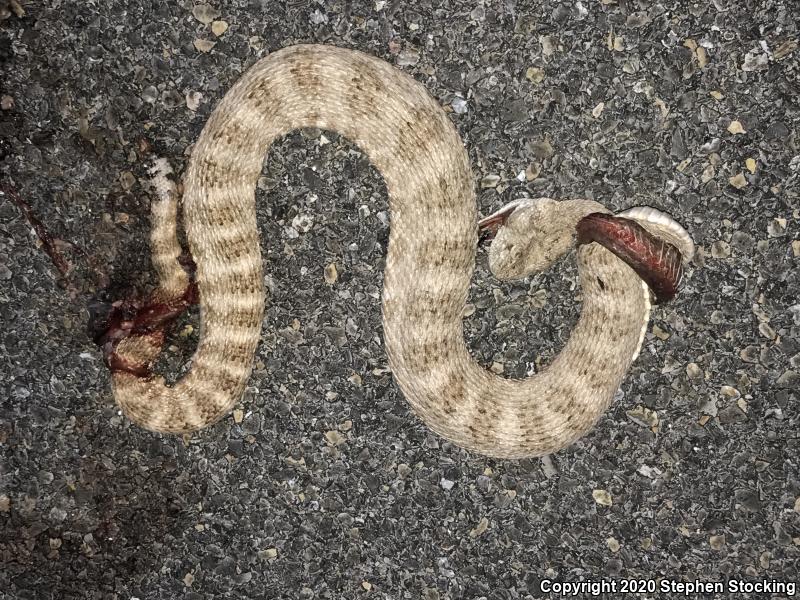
[{"x": 430, "y": 260}]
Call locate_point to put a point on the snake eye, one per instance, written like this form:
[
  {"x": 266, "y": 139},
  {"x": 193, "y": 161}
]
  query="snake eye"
[{"x": 656, "y": 261}]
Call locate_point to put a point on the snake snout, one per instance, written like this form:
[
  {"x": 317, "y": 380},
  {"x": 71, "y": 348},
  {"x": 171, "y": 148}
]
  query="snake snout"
[
  {"x": 655, "y": 260},
  {"x": 489, "y": 226}
]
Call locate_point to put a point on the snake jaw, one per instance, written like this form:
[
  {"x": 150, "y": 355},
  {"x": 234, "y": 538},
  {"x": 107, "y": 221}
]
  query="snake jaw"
[
  {"x": 489, "y": 226},
  {"x": 656, "y": 261}
]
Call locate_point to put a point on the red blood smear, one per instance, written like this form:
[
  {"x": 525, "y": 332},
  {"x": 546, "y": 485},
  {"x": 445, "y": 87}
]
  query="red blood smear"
[
  {"x": 130, "y": 319},
  {"x": 48, "y": 243}
]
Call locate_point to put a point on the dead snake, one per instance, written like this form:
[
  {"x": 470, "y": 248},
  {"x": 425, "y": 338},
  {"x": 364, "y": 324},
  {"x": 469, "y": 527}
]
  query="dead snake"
[{"x": 430, "y": 260}]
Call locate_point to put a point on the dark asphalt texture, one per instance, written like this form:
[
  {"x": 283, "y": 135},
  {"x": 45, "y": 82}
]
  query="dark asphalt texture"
[{"x": 323, "y": 484}]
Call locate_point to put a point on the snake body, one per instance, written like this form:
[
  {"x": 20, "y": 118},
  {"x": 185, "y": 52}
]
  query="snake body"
[{"x": 431, "y": 258}]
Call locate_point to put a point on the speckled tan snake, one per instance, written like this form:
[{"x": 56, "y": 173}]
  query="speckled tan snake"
[{"x": 431, "y": 258}]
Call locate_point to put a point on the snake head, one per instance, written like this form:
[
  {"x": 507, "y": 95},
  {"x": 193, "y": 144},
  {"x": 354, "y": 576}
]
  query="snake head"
[{"x": 528, "y": 235}]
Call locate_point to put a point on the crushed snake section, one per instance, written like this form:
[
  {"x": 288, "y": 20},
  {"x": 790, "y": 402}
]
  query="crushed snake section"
[{"x": 430, "y": 261}]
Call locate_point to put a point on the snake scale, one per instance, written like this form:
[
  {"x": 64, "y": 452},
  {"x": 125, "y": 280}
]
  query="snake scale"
[{"x": 430, "y": 260}]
